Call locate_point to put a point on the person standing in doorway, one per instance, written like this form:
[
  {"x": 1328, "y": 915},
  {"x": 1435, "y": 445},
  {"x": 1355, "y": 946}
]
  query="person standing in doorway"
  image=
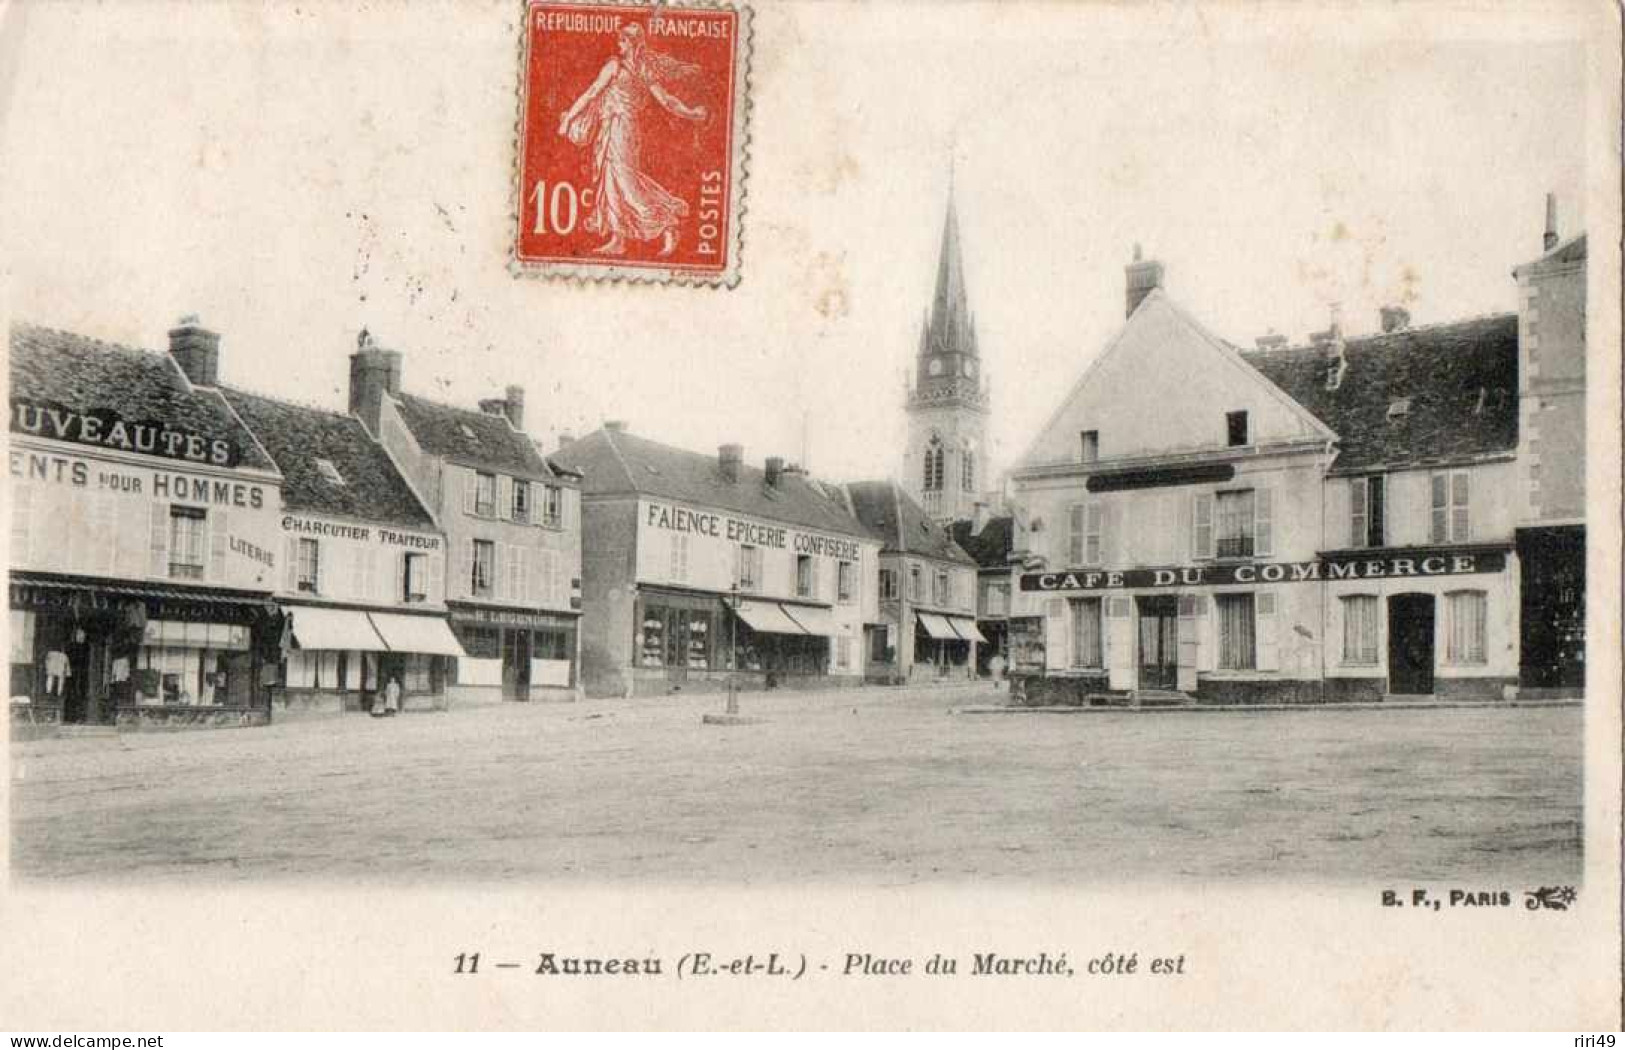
[{"x": 392, "y": 696}]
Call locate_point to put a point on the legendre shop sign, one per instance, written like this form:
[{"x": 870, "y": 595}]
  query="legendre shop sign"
[{"x": 1444, "y": 563}]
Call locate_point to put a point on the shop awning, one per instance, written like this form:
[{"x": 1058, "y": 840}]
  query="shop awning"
[
  {"x": 938, "y": 627},
  {"x": 812, "y": 619},
  {"x": 967, "y": 629},
  {"x": 316, "y": 628},
  {"x": 769, "y": 618},
  {"x": 416, "y": 634}
]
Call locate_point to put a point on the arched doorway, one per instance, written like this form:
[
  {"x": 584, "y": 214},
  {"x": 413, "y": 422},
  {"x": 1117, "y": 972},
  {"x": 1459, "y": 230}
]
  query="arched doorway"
[{"x": 1410, "y": 644}]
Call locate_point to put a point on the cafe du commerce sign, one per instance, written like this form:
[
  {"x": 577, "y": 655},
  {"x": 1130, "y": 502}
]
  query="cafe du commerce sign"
[{"x": 1352, "y": 567}]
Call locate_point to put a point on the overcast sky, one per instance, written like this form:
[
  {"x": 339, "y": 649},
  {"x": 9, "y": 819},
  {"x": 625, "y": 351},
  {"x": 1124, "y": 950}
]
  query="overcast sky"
[{"x": 292, "y": 174}]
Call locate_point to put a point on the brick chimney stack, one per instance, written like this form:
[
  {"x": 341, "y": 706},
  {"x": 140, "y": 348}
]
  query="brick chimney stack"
[
  {"x": 774, "y": 470},
  {"x": 1143, "y": 275},
  {"x": 729, "y": 458},
  {"x": 196, "y": 350},
  {"x": 516, "y": 405},
  {"x": 1395, "y": 318},
  {"x": 374, "y": 372},
  {"x": 1550, "y": 239}
]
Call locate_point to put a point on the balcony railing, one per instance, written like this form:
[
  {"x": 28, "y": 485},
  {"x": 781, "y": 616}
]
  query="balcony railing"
[{"x": 1235, "y": 547}]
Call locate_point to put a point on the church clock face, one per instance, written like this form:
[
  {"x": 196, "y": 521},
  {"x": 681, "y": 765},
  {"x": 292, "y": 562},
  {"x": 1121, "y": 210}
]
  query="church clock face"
[{"x": 936, "y": 366}]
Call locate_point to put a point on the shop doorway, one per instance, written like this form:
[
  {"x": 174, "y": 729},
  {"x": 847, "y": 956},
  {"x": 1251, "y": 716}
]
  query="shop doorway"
[
  {"x": 1410, "y": 644},
  {"x": 516, "y": 665},
  {"x": 1159, "y": 642}
]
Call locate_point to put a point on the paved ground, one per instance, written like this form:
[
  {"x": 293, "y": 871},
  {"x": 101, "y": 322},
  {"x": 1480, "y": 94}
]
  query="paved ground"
[{"x": 871, "y": 787}]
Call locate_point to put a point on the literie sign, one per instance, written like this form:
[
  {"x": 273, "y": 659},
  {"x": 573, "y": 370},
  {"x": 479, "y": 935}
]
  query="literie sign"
[{"x": 1420, "y": 563}]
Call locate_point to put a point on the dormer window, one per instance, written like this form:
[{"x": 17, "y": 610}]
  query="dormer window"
[
  {"x": 329, "y": 472},
  {"x": 467, "y": 431},
  {"x": 1235, "y": 427},
  {"x": 1398, "y": 409}
]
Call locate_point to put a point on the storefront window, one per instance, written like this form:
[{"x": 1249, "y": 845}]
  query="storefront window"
[
  {"x": 1237, "y": 648},
  {"x": 22, "y": 652},
  {"x": 186, "y": 542},
  {"x": 1465, "y": 626},
  {"x": 1086, "y": 633},
  {"x": 1360, "y": 629}
]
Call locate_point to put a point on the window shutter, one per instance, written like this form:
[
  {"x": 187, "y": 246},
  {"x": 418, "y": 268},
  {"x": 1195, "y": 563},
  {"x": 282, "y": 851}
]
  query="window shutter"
[
  {"x": 1055, "y": 647},
  {"x": 465, "y": 568},
  {"x": 504, "y": 507},
  {"x": 1357, "y": 512},
  {"x": 1460, "y": 501},
  {"x": 22, "y": 507},
  {"x": 1263, "y": 523},
  {"x": 467, "y": 480},
  {"x": 1074, "y": 534},
  {"x": 1189, "y": 604},
  {"x": 1440, "y": 530},
  {"x": 1094, "y": 544},
  {"x": 437, "y": 573},
  {"x": 290, "y": 554},
  {"x": 160, "y": 540},
  {"x": 1269, "y": 649},
  {"x": 1202, "y": 525},
  {"x": 1119, "y": 642},
  {"x": 218, "y": 520}
]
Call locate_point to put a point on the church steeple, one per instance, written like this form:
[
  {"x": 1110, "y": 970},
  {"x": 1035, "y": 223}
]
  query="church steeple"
[
  {"x": 949, "y": 328},
  {"x": 948, "y": 398}
]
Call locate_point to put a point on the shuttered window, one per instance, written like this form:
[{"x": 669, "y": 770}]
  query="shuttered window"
[
  {"x": 1202, "y": 525},
  {"x": 1466, "y": 623},
  {"x": 187, "y": 538},
  {"x": 1360, "y": 629},
  {"x": 1451, "y": 518},
  {"x": 1086, "y": 633},
  {"x": 1237, "y": 635}
]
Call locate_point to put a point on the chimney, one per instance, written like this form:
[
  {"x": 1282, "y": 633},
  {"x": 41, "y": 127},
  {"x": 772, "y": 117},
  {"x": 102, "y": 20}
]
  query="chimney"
[
  {"x": 1395, "y": 318},
  {"x": 1271, "y": 340},
  {"x": 729, "y": 457},
  {"x": 374, "y": 372},
  {"x": 1550, "y": 240},
  {"x": 516, "y": 405},
  {"x": 1142, "y": 276},
  {"x": 196, "y": 350},
  {"x": 775, "y": 470},
  {"x": 978, "y": 520},
  {"x": 615, "y": 426}
]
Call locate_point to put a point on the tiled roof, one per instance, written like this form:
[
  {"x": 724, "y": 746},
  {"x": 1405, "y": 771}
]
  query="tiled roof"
[
  {"x": 87, "y": 375},
  {"x": 476, "y": 439},
  {"x": 1436, "y": 394},
  {"x": 298, "y": 435},
  {"x": 902, "y": 524},
  {"x": 991, "y": 547},
  {"x": 616, "y": 463}
]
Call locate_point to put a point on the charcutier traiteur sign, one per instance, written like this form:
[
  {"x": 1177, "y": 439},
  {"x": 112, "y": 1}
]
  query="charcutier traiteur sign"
[{"x": 1353, "y": 567}]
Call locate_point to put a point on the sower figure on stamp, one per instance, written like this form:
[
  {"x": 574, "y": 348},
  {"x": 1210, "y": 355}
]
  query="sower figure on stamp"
[{"x": 627, "y": 202}]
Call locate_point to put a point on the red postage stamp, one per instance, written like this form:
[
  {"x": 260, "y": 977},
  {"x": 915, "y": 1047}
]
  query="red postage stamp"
[{"x": 632, "y": 141}]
